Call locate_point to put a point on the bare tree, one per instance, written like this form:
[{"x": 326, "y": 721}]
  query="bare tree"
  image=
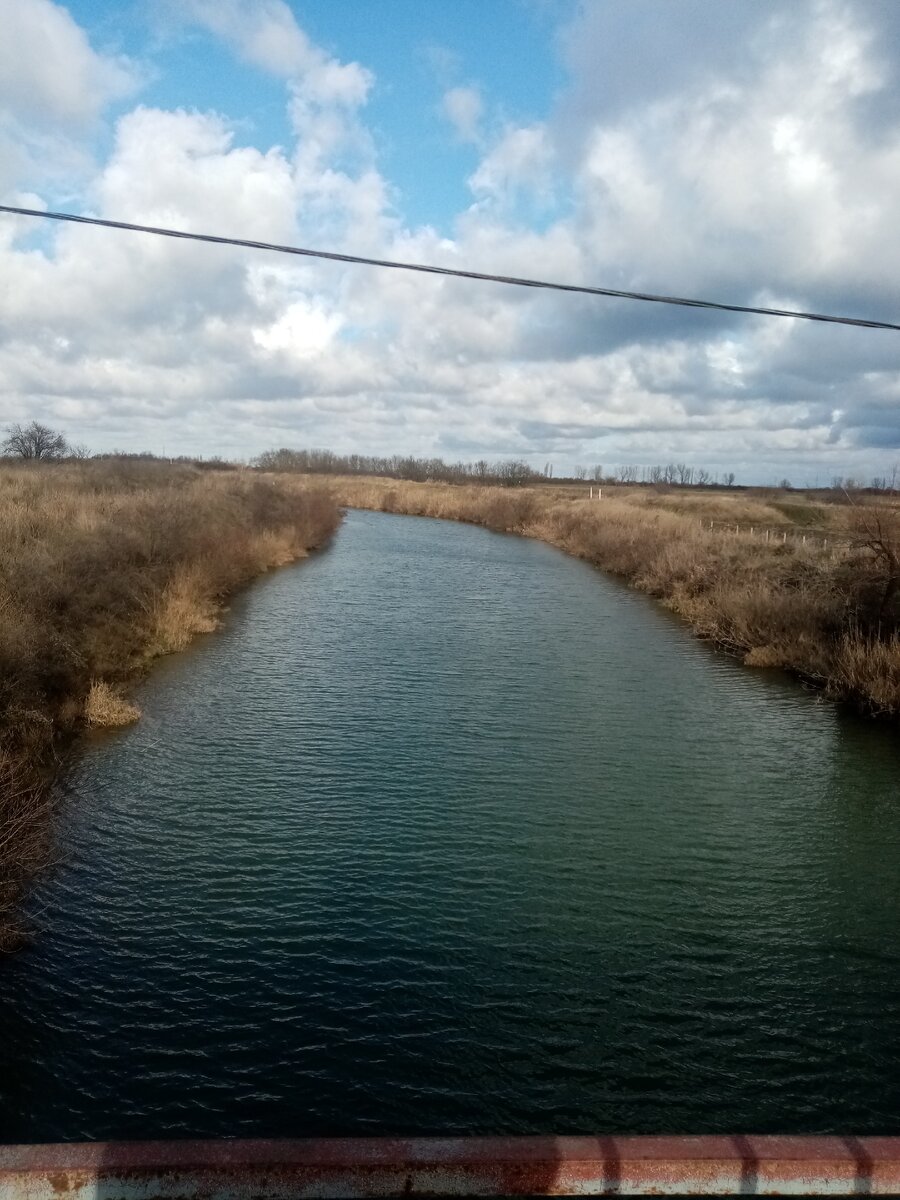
[
  {"x": 514, "y": 473},
  {"x": 728, "y": 479},
  {"x": 34, "y": 441},
  {"x": 877, "y": 530},
  {"x": 702, "y": 477},
  {"x": 597, "y": 473}
]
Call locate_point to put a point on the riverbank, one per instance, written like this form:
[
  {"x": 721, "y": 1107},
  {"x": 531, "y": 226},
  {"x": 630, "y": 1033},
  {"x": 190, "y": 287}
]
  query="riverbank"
[
  {"x": 828, "y": 611},
  {"x": 105, "y": 566}
]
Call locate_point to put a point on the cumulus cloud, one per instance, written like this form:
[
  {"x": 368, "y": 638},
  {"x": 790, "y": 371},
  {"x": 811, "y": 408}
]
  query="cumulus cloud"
[
  {"x": 766, "y": 177},
  {"x": 325, "y": 96},
  {"x": 752, "y": 155},
  {"x": 49, "y": 73},
  {"x": 54, "y": 87},
  {"x": 266, "y": 34},
  {"x": 520, "y": 160}
]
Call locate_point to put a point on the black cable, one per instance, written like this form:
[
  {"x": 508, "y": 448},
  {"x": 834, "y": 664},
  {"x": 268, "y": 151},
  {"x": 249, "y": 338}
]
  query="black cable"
[{"x": 407, "y": 266}]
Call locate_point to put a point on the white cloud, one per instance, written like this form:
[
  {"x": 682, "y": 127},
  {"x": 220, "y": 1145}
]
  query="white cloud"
[
  {"x": 266, "y": 33},
  {"x": 324, "y": 99},
  {"x": 49, "y": 73},
  {"x": 198, "y": 176},
  {"x": 464, "y": 108},
  {"x": 521, "y": 159},
  {"x": 767, "y": 179},
  {"x": 302, "y": 331}
]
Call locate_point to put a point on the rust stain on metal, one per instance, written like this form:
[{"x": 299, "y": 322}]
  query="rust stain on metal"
[{"x": 364, "y": 1167}]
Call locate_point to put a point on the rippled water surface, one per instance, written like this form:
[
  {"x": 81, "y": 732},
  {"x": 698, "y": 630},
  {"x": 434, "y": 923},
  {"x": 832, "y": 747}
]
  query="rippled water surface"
[{"x": 448, "y": 832}]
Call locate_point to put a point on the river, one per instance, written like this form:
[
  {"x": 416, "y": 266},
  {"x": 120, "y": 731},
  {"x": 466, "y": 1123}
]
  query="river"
[{"x": 447, "y": 832}]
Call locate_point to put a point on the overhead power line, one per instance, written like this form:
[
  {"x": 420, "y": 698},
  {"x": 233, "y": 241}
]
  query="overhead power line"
[{"x": 425, "y": 268}]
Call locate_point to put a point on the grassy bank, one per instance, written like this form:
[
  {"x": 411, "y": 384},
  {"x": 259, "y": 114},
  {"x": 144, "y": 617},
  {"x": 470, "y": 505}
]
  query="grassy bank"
[
  {"x": 103, "y": 567},
  {"x": 828, "y": 612}
]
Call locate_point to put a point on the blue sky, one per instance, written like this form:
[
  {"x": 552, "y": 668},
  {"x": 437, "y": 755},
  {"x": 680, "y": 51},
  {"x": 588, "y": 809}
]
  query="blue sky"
[
  {"x": 748, "y": 152},
  {"x": 417, "y": 49}
]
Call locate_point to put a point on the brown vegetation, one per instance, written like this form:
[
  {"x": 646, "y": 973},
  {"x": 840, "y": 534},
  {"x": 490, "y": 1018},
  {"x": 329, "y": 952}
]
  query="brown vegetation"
[
  {"x": 106, "y": 708},
  {"x": 828, "y": 613},
  {"x": 103, "y": 566}
]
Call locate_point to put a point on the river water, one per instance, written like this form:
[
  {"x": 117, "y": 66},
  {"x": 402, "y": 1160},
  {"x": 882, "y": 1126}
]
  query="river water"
[{"x": 447, "y": 832}]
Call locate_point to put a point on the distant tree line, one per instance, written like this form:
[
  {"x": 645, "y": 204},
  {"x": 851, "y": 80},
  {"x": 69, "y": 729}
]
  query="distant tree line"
[
  {"x": 38, "y": 443},
  {"x": 879, "y": 483},
  {"x": 504, "y": 473},
  {"x": 684, "y": 475},
  {"x": 672, "y": 474}
]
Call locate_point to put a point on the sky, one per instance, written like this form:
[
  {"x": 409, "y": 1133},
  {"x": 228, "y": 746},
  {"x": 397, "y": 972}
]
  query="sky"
[{"x": 741, "y": 152}]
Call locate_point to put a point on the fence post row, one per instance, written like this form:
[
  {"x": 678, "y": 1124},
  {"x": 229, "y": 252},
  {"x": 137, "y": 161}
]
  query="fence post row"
[{"x": 755, "y": 531}]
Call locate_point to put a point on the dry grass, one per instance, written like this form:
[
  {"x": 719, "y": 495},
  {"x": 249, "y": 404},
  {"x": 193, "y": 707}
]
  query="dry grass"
[
  {"x": 760, "y": 507},
  {"x": 738, "y": 507},
  {"x": 107, "y": 708},
  {"x": 184, "y": 608},
  {"x": 104, "y": 566},
  {"x": 819, "y": 613},
  {"x": 871, "y": 667}
]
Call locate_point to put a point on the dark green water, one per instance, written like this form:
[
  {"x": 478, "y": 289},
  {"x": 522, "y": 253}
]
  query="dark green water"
[{"x": 448, "y": 832}]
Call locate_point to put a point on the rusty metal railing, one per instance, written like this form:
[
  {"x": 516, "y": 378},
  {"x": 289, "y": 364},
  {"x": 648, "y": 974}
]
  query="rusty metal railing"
[{"x": 536, "y": 1166}]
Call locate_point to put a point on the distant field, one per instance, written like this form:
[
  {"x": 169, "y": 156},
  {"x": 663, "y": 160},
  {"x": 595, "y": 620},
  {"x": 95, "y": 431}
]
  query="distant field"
[{"x": 824, "y": 510}]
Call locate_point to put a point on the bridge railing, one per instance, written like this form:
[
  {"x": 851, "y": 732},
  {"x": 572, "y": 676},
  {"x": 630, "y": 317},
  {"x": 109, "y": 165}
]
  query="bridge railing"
[{"x": 535, "y": 1166}]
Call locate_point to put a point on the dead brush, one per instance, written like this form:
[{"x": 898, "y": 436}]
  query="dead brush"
[
  {"x": 106, "y": 708},
  {"x": 869, "y": 667}
]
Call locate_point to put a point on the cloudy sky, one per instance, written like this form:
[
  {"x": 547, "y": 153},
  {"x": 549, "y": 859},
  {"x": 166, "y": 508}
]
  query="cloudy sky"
[{"x": 746, "y": 151}]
